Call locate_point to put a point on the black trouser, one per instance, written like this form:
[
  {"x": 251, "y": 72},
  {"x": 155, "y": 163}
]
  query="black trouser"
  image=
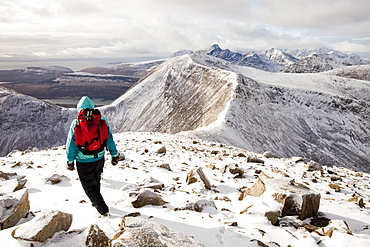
[{"x": 89, "y": 174}]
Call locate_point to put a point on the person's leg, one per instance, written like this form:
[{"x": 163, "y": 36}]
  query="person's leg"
[{"x": 89, "y": 174}]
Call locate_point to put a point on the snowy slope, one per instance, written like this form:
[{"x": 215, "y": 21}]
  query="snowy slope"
[
  {"x": 360, "y": 72},
  {"x": 178, "y": 95},
  {"x": 27, "y": 123},
  {"x": 316, "y": 116},
  {"x": 230, "y": 223}
]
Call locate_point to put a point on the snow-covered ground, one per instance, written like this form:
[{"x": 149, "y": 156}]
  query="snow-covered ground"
[{"x": 211, "y": 227}]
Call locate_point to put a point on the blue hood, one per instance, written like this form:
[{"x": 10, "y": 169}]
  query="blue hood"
[{"x": 85, "y": 103}]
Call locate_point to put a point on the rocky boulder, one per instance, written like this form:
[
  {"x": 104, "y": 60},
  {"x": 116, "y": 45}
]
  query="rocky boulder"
[
  {"x": 137, "y": 232},
  {"x": 13, "y": 207},
  {"x": 11, "y": 182},
  {"x": 96, "y": 237},
  {"x": 43, "y": 226},
  {"x": 148, "y": 198}
]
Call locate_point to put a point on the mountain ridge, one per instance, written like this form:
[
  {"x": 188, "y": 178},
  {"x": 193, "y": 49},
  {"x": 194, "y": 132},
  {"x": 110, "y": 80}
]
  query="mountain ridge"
[
  {"x": 259, "y": 105},
  {"x": 286, "y": 60},
  {"x": 322, "y": 117}
]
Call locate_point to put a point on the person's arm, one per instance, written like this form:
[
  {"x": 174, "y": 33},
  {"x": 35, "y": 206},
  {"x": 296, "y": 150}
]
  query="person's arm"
[
  {"x": 71, "y": 148},
  {"x": 110, "y": 143}
]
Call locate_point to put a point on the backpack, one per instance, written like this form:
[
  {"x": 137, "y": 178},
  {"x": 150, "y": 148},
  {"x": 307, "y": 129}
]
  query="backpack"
[{"x": 91, "y": 132}]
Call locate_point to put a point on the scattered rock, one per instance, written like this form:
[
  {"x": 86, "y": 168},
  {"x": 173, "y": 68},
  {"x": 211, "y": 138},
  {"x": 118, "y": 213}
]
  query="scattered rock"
[
  {"x": 270, "y": 155},
  {"x": 13, "y": 182},
  {"x": 55, "y": 179},
  {"x": 7, "y": 176},
  {"x": 293, "y": 182},
  {"x": 254, "y": 160},
  {"x": 96, "y": 237},
  {"x": 142, "y": 232},
  {"x": 335, "y": 187},
  {"x": 320, "y": 222},
  {"x": 148, "y": 198},
  {"x": 334, "y": 178},
  {"x": 313, "y": 166},
  {"x": 329, "y": 233},
  {"x": 198, "y": 206},
  {"x": 190, "y": 177},
  {"x": 291, "y": 221},
  {"x": 291, "y": 206},
  {"x": 273, "y": 216},
  {"x": 242, "y": 155},
  {"x": 13, "y": 207},
  {"x": 310, "y": 206},
  {"x": 233, "y": 223},
  {"x": 238, "y": 171},
  {"x": 257, "y": 190},
  {"x": 43, "y": 226},
  {"x": 161, "y": 150},
  {"x": 361, "y": 203},
  {"x": 165, "y": 166},
  {"x": 203, "y": 177},
  {"x": 223, "y": 169},
  {"x": 340, "y": 225},
  {"x": 211, "y": 166},
  {"x": 17, "y": 164},
  {"x": 279, "y": 197}
]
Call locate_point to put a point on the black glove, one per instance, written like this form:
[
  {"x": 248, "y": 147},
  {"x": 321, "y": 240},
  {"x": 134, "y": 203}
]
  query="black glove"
[
  {"x": 71, "y": 165},
  {"x": 115, "y": 160}
]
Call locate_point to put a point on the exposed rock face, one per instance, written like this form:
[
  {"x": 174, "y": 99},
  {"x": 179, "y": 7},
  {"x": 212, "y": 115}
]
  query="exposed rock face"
[
  {"x": 141, "y": 232},
  {"x": 43, "y": 226},
  {"x": 28, "y": 123},
  {"x": 13, "y": 207}
]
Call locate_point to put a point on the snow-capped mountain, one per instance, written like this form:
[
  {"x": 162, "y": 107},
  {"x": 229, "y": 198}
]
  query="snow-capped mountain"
[
  {"x": 315, "y": 116},
  {"x": 287, "y": 60},
  {"x": 28, "y": 123},
  {"x": 313, "y": 64},
  {"x": 233, "y": 57}
]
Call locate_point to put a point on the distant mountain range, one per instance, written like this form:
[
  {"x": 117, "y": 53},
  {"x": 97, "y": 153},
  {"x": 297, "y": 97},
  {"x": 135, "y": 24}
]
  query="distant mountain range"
[{"x": 286, "y": 60}]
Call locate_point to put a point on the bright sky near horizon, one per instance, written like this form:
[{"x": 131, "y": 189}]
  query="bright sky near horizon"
[{"x": 134, "y": 28}]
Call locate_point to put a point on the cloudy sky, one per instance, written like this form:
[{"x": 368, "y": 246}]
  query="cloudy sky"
[{"x": 143, "y": 28}]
